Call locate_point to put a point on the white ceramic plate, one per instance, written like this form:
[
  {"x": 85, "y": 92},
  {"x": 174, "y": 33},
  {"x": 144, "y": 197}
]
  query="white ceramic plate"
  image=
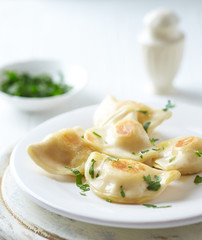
[{"x": 63, "y": 197}]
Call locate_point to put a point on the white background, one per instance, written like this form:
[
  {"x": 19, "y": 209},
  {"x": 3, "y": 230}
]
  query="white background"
[{"x": 101, "y": 36}]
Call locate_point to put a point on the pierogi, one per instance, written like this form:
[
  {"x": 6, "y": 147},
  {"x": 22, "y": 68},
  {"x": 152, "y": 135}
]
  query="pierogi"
[
  {"x": 125, "y": 181},
  {"x": 144, "y": 113},
  {"x": 181, "y": 153},
  {"x": 65, "y": 148},
  {"x": 122, "y": 135}
]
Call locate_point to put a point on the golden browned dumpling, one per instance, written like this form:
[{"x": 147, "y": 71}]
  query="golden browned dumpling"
[
  {"x": 181, "y": 153},
  {"x": 121, "y": 136},
  {"x": 125, "y": 181},
  {"x": 147, "y": 116},
  {"x": 63, "y": 148}
]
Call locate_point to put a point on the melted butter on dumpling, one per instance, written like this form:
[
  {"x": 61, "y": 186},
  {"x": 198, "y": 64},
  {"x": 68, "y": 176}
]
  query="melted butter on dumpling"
[
  {"x": 143, "y": 112},
  {"x": 63, "y": 148},
  {"x": 123, "y": 180},
  {"x": 180, "y": 153},
  {"x": 121, "y": 135}
]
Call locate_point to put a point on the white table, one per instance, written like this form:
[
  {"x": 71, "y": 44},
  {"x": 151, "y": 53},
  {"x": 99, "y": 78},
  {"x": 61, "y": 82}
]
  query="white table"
[{"x": 101, "y": 36}]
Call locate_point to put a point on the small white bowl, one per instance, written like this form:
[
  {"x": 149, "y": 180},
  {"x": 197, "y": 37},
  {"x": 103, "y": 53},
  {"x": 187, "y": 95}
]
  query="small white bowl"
[{"x": 74, "y": 76}]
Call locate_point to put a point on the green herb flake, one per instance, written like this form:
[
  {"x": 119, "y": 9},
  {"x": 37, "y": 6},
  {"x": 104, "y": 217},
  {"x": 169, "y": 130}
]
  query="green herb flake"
[
  {"x": 168, "y": 106},
  {"x": 152, "y": 185},
  {"x": 156, "y": 149},
  {"x": 122, "y": 192},
  {"x": 98, "y": 174},
  {"x": 153, "y": 140},
  {"x": 113, "y": 159},
  {"x": 130, "y": 167},
  {"x": 142, "y": 111},
  {"x": 133, "y": 153},
  {"x": 147, "y": 179},
  {"x": 144, "y": 151},
  {"x": 146, "y": 126},
  {"x": 83, "y": 186},
  {"x": 91, "y": 169},
  {"x": 198, "y": 153},
  {"x": 158, "y": 179},
  {"x": 108, "y": 200},
  {"x": 75, "y": 171},
  {"x": 154, "y": 206},
  {"x": 141, "y": 156},
  {"x": 171, "y": 159},
  {"x": 83, "y": 194},
  {"x": 198, "y": 179},
  {"x": 162, "y": 147},
  {"x": 82, "y": 136},
  {"x": 96, "y": 134}
]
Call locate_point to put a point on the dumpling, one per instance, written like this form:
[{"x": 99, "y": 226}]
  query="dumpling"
[
  {"x": 63, "y": 148},
  {"x": 181, "y": 153},
  {"x": 106, "y": 107},
  {"x": 121, "y": 136},
  {"x": 125, "y": 181},
  {"x": 145, "y": 115}
]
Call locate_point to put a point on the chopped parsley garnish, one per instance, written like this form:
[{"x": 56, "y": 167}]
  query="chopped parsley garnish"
[
  {"x": 96, "y": 134},
  {"x": 142, "y": 111},
  {"x": 113, "y": 159},
  {"x": 133, "y": 153},
  {"x": 83, "y": 186},
  {"x": 141, "y": 156},
  {"x": 153, "y": 140},
  {"x": 144, "y": 151},
  {"x": 91, "y": 169},
  {"x": 38, "y": 86},
  {"x": 154, "y": 206},
  {"x": 168, "y": 106},
  {"x": 98, "y": 174},
  {"x": 83, "y": 194},
  {"x": 156, "y": 149},
  {"x": 153, "y": 185},
  {"x": 82, "y": 136},
  {"x": 171, "y": 159},
  {"x": 198, "y": 153},
  {"x": 129, "y": 166},
  {"x": 198, "y": 179},
  {"x": 122, "y": 192},
  {"x": 146, "y": 125},
  {"x": 108, "y": 200},
  {"x": 162, "y": 147}
]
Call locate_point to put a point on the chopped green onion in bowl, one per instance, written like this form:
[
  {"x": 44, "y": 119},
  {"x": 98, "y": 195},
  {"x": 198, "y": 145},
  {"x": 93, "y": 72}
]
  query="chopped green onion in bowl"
[{"x": 33, "y": 86}]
